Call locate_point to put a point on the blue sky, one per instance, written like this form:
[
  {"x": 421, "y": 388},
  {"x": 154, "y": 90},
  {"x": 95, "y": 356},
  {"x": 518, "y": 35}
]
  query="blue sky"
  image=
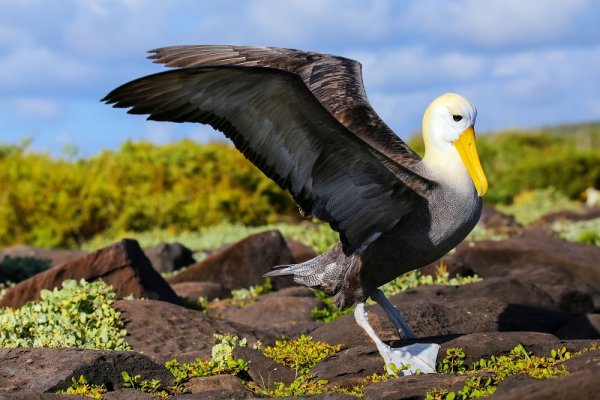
[{"x": 523, "y": 63}]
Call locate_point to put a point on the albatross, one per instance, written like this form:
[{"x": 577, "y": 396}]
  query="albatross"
[{"x": 303, "y": 118}]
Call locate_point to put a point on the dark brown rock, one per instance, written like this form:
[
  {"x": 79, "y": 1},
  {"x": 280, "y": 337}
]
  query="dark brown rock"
[
  {"x": 584, "y": 214},
  {"x": 50, "y": 370},
  {"x": 168, "y": 257},
  {"x": 264, "y": 371},
  {"x": 165, "y": 331},
  {"x": 585, "y": 326},
  {"x": 39, "y": 396},
  {"x": 280, "y": 315},
  {"x": 350, "y": 366},
  {"x": 300, "y": 251},
  {"x": 242, "y": 265},
  {"x": 500, "y": 258},
  {"x": 580, "y": 385},
  {"x": 122, "y": 265},
  {"x": 506, "y": 289},
  {"x": 225, "y": 384},
  {"x": 54, "y": 256},
  {"x": 485, "y": 344},
  {"x": 497, "y": 221},
  {"x": 587, "y": 360},
  {"x": 439, "y": 318},
  {"x": 127, "y": 394},
  {"x": 413, "y": 386},
  {"x": 513, "y": 381},
  {"x": 194, "y": 290}
]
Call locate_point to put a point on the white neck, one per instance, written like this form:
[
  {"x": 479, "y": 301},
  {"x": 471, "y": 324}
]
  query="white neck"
[{"x": 444, "y": 164}]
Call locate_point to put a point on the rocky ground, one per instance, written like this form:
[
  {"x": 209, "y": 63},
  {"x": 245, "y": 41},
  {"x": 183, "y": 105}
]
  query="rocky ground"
[{"x": 537, "y": 291}]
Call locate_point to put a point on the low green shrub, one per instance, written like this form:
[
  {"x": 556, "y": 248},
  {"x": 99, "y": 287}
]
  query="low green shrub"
[
  {"x": 81, "y": 387},
  {"x": 300, "y": 354},
  {"x": 497, "y": 368},
  {"x": 579, "y": 231},
  {"x": 80, "y": 314},
  {"x": 222, "y": 361}
]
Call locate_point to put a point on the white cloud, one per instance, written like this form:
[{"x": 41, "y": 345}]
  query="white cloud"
[
  {"x": 493, "y": 23},
  {"x": 417, "y": 66},
  {"x": 37, "y": 67},
  {"x": 37, "y": 108}
]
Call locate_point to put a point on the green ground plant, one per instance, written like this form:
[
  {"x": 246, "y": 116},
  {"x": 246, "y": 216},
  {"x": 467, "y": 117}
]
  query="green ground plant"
[
  {"x": 81, "y": 387},
  {"x": 222, "y": 361},
  {"x": 80, "y": 315},
  {"x": 493, "y": 370},
  {"x": 185, "y": 186},
  {"x": 317, "y": 235},
  {"x": 300, "y": 354},
  {"x": 579, "y": 231},
  {"x": 137, "y": 382}
]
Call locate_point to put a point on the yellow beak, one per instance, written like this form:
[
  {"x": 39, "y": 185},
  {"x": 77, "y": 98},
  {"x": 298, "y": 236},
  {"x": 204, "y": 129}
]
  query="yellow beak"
[{"x": 465, "y": 144}]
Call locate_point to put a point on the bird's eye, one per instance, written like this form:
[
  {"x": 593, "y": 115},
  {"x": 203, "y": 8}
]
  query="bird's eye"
[{"x": 457, "y": 117}]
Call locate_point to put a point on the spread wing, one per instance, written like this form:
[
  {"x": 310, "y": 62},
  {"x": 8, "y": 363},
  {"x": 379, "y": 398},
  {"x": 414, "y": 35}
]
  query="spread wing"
[
  {"x": 276, "y": 122},
  {"x": 335, "y": 81}
]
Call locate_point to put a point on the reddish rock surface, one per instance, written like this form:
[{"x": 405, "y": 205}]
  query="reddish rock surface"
[
  {"x": 168, "y": 257},
  {"x": 242, "y": 265},
  {"x": 279, "y": 313},
  {"x": 122, "y": 265},
  {"x": 165, "y": 331},
  {"x": 49, "y": 370},
  {"x": 219, "y": 385},
  {"x": 300, "y": 251},
  {"x": 194, "y": 290},
  {"x": 54, "y": 256}
]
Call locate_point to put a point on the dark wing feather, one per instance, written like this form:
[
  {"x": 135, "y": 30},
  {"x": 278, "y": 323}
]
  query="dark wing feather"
[
  {"x": 275, "y": 121},
  {"x": 335, "y": 81}
]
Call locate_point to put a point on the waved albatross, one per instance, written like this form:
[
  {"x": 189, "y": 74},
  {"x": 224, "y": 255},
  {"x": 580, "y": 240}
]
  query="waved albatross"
[{"x": 304, "y": 119}]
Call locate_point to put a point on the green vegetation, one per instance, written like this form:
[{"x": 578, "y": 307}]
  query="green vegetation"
[
  {"x": 489, "y": 372},
  {"x": 78, "y": 315},
  {"x": 530, "y": 205},
  {"x": 81, "y": 387},
  {"x": 180, "y": 187},
  {"x": 186, "y": 187},
  {"x": 317, "y": 235},
  {"x": 222, "y": 362},
  {"x": 253, "y": 291},
  {"x": 580, "y": 231},
  {"x": 153, "y": 386},
  {"x": 404, "y": 282},
  {"x": 17, "y": 269},
  {"x": 300, "y": 354}
]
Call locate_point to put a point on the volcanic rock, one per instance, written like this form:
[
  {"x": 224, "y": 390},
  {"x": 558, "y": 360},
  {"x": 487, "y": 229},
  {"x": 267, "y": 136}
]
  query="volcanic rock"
[
  {"x": 54, "y": 256},
  {"x": 300, "y": 251},
  {"x": 194, "y": 290},
  {"x": 242, "y": 265},
  {"x": 122, "y": 265},
  {"x": 264, "y": 371},
  {"x": 278, "y": 313},
  {"x": 582, "y": 384},
  {"x": 42, "y": 369},
  {"x": 219, "y": 385},
  {"x": 169, "y": 257},
  {"x": 165, "y": 331}
]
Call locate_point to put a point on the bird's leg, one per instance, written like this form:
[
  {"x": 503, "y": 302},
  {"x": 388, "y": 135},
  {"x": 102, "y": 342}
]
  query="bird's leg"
[
  {"x": 406, "y": 360},
  {"x": 393, "y": 314}
]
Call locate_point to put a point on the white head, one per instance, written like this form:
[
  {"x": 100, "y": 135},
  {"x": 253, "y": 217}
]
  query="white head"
[{"x": 450, "y": 149}]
